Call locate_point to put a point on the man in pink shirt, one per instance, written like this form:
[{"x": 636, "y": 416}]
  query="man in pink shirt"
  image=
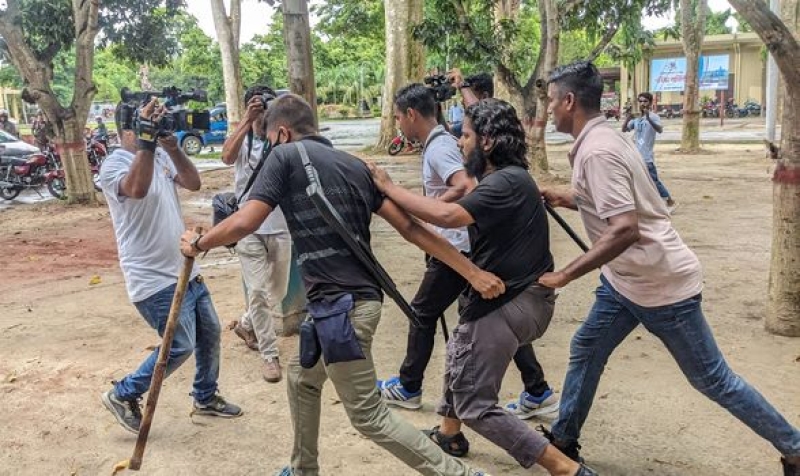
[{"x": 648, "y": 274}]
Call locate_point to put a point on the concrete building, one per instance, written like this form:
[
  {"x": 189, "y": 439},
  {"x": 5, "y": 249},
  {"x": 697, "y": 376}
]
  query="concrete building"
[{"x": 741, "y": 55}]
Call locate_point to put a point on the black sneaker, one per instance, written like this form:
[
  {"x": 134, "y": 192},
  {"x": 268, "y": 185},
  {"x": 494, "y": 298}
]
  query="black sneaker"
[
  {"x": 790, "y": 469},
  {"x": 217, "y": 407},
  {"x": 571, "y": 450},
  {"x": 127, "y": 412}
]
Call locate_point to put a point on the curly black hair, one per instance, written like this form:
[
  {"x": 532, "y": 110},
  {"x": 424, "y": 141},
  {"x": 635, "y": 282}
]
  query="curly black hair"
[
  {"x": 498, "y": 121},
  {"x": 258, "y": 90}
]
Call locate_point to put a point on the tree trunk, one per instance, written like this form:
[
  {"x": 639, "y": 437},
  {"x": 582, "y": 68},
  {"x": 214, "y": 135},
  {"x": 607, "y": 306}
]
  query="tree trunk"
[
  {"x": 503, "y": 89},
  {"x": 297, "y": 37},
  {"x": 693, "y": 14},
  {"x": 405, "y": 61},
  {"x": 228, "y": 28},
  {"x": 537, "y": 123},
  {"x": 783, "y": 306}
]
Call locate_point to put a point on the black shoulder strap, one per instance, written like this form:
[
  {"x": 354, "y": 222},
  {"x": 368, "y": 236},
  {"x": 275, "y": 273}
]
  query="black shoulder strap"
[
  {"x": 264, "y": 153},
  {"x": 352, "y": 240}
]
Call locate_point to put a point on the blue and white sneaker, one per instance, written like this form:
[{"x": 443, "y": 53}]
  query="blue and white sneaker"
[
  {"x": 529, "y": 406},
  {"x": 393, "y": 393},
  {"x": 285, "y": 471}
]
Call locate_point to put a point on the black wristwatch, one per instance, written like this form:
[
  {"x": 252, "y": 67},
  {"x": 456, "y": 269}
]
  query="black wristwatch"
[
  {"x": 195, "y": 244},
  {"x": 464, "y": 84}
]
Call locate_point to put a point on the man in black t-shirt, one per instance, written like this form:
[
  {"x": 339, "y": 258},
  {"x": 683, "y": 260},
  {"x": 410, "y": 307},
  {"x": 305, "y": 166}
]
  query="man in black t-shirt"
[
  {"x": 342, "y": 295},
  {"x": 509, "y": 237}
]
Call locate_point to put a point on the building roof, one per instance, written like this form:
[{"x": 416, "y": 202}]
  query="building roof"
[{"x": 719, "y": 41}]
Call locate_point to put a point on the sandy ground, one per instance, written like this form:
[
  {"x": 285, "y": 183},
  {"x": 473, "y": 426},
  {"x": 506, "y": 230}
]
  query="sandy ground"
[{"x": 63, "y": 339}]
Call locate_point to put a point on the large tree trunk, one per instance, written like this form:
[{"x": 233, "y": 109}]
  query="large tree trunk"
[
  {"x": 228, "y": 28},
  {"x": 783, "y": 307},
  {"x": 503, "y": 89},
  {"x": 38, "y": 73},
  {"x": 693, "y": 14},
  {"x": 405, "y": 60},
  {"x": 297, "y": 36},
  {"x": 537, "y": 132}
]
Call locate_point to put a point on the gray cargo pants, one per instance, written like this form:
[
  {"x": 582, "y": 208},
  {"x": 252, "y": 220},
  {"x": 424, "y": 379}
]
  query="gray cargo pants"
[{"x": 478, "y": 355}]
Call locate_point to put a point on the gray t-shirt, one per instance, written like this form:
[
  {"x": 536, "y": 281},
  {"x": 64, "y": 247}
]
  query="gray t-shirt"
[
  {"x": 441, "y": 159},
  {"x": 645, "y": 135},
  {"x": 148, "y": 230},
  {"x": 243, "y": 169}
]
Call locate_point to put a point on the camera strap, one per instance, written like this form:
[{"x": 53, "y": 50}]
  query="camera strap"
[
  {"x": 357, "y": 246},
  {"x": 264, "y": 153}
]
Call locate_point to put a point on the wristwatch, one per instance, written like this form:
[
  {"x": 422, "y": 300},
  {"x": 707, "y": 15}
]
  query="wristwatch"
[
  {"x": 464, "y": 84},
  {"x": 195, "y": 244}
]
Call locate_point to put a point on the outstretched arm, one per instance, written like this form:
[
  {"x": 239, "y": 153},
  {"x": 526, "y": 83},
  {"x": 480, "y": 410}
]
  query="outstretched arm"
[{"x": 487, "y": 284}]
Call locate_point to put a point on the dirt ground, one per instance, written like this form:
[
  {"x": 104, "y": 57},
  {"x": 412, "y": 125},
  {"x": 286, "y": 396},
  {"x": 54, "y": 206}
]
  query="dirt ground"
[{"x": 67, "y": 329}]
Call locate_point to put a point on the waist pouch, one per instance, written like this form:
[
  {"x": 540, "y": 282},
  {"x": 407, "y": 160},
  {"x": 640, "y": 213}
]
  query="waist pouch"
[
  {"x": 335, "y": 331},
  {"x": 310, "y": 349}
]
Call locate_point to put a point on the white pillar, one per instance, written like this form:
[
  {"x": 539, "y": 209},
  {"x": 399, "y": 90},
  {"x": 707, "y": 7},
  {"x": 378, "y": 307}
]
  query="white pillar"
[{"x": 772, "y": 85}]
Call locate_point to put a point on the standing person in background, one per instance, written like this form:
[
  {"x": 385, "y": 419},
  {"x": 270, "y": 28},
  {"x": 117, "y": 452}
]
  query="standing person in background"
[
  {"x": 646, "y": 127},
  {"x": 266, "y": 254}
]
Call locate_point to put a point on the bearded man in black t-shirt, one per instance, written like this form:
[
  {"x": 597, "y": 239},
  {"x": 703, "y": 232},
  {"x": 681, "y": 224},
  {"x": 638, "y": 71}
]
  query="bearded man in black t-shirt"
[{"x": 509, "y": 237}]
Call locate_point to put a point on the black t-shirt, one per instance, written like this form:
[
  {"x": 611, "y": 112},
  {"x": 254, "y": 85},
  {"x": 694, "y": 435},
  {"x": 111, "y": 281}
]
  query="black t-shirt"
[
  {"x": 509, "y": 238},
  {"x": 329, "y": 268}
]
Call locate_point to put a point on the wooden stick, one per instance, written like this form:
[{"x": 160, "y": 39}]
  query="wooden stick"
[{"x": 161, "y": 366}]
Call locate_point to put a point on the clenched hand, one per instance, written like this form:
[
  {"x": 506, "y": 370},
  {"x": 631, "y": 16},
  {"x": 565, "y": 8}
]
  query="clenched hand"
[{"x": 487, "y": 284}]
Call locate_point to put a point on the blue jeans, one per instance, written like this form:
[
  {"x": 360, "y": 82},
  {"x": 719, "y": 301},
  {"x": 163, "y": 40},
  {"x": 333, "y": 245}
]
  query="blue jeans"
[
  {"x": 662, "y": 190},
  {"x": 198, "y": 330},
  {"x": 684, "y": 331}
]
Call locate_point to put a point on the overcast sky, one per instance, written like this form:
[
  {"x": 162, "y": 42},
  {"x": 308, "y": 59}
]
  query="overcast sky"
[{"x": 256, "y": 16}]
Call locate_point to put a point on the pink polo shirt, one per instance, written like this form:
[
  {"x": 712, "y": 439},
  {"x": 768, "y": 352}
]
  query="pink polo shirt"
[{"x": 610, "y": 178}]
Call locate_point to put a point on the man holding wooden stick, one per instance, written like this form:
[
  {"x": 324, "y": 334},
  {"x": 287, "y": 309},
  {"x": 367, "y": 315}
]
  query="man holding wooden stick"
[{"x": 140, "y": 182}]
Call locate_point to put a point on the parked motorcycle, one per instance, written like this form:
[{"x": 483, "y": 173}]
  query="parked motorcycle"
[
  {"x": 402, "y": 144},
  {"x": 753, "y": 108},
  {"x": 18, "y": 174}
]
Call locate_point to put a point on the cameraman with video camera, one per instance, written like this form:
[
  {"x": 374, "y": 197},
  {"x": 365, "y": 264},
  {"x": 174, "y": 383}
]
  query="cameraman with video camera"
[
  {"x": 139, "y": 181},
  {"x": 265, "y": 255}
]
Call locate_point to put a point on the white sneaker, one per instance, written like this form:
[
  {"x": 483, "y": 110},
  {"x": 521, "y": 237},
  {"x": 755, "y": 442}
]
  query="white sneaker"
[{"x": 529, "y": 406}]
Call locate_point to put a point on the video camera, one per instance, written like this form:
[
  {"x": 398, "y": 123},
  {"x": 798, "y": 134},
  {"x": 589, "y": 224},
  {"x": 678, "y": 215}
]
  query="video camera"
[
  {"x": 440, "y": 86},
  {"x": 177, "y": 118}
]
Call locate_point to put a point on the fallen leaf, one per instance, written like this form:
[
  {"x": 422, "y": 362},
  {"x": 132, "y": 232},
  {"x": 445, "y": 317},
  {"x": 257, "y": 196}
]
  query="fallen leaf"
[
  {"x": 95, "y": 280},
  {"x": 12, "y": 377}
]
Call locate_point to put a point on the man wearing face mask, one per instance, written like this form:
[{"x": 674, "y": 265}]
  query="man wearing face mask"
[
  {"x": 266, "y": 254},
  {"x": 344, "y": 299}
]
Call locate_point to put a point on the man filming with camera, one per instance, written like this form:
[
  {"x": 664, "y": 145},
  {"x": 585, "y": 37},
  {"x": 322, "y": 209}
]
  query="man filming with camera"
[
  {"x": 266, "y": 254},
  {"x": 140, "y": 181}
]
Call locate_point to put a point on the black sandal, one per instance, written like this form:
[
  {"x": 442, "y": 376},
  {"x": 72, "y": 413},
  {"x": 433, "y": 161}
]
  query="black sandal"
[{"x": 456, "y": 445}]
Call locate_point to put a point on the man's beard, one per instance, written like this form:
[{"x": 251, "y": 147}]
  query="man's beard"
[{"x": 476, "y": 163}]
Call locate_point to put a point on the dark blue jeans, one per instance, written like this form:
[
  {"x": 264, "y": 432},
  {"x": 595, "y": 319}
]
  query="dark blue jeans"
[
  {"x": 684, "y": 331},
  {"x": 198, "y": 330},
  {"x": 662, "y": 190}
]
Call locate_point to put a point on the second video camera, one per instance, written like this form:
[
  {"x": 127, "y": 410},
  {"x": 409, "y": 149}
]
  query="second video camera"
[
  {"x": 441, "y": 87},
  {"x": 177, "y": 118}
]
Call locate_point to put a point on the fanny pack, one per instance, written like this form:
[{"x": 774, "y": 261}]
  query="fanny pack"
[{"x": 329, "y": 333}]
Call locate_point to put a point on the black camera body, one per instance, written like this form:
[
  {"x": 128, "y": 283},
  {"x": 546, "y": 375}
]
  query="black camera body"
[
  {"x": 440, "y": 86},
  {"x": 177, "y": 118}
]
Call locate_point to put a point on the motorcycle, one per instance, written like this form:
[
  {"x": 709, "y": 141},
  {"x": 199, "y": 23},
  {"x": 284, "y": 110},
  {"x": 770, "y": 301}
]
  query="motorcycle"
[
  {"x": 753, "y": 108},
  {"x": 401, "y": 144},
  {"x": 18, "y": 174}
]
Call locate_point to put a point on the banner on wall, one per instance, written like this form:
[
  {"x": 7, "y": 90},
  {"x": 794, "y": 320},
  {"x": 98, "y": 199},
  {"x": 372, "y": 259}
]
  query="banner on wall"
[{"x": 669, "y": 74}]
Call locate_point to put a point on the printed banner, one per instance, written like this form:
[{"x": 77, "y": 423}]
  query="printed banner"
[{"x": 669, "y": 74}]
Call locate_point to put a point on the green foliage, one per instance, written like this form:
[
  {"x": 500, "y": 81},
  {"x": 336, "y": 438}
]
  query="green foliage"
[{"x": 350, "y": 18}]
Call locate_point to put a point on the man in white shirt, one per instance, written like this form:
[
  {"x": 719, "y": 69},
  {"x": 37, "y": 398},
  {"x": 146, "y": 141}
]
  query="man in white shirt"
[
  {"x": 266, "y": 254},
  {"x": 139, "y": 181}
]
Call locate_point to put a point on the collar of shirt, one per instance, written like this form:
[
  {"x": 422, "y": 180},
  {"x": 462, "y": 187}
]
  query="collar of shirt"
[
  {"x": 579, "y": 140},
  {"x": 435, "y": 132}
]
